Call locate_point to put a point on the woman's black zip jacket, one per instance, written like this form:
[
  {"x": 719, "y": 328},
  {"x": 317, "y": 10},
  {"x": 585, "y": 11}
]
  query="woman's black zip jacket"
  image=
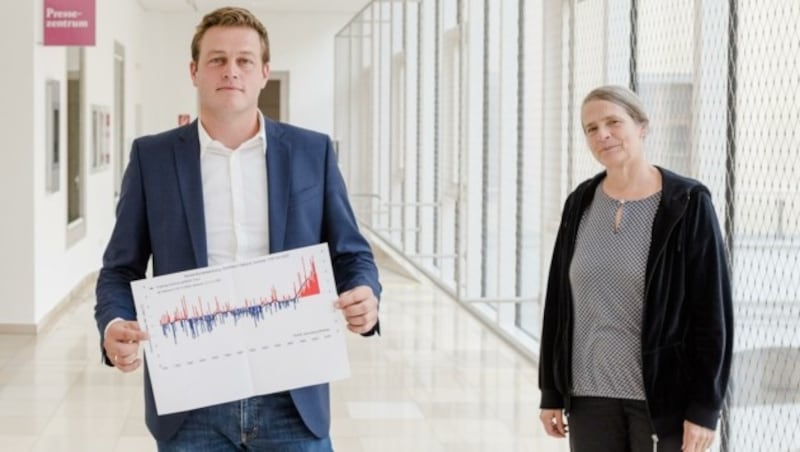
[{"x": 687, "y": 326}]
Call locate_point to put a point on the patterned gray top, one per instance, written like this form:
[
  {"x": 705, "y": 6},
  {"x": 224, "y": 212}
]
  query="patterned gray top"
[{"x": 607, "y": 277}]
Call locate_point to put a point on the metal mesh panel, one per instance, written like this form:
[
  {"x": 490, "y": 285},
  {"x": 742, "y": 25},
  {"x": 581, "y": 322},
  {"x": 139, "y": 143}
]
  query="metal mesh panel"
[
  {"x": 719, "y": 82},
  {"x": 481, "y": 102},
  {"x": 766, "y": 228}
]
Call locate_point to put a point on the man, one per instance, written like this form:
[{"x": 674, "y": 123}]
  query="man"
[{"x": 231, "y": 186}]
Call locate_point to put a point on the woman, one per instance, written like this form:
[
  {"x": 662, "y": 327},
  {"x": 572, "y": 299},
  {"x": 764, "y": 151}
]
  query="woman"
[{"x": 638, "y": 326}]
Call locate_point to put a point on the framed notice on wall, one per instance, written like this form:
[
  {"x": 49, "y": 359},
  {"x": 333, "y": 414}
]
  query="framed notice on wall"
[
  {"x": 101, "y": 137},
  {"x": 52, "y": 139}
]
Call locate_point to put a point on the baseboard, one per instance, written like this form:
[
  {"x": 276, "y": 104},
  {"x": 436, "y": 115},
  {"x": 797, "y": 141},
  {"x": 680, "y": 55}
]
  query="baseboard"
[
  {"x": 77, "y": 294},
  {"x": 17, "y": 328}
]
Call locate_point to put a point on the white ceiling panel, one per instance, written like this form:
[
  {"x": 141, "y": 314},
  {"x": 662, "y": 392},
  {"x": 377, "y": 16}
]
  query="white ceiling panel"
[{"x": 299, "y": 6}]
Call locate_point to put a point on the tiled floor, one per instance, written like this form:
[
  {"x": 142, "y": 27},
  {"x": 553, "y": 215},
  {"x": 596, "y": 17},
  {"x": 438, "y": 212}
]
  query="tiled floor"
[{"x": 437, "y": 380}]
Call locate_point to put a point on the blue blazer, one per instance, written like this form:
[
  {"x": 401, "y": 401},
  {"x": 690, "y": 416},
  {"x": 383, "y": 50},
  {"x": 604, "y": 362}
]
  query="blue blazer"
[{"x": 160, "y": 215}]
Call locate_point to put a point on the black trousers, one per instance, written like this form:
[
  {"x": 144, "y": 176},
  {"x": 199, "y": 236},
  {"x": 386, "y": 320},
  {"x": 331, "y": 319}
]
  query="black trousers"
[{"x": 598, "y": 424}]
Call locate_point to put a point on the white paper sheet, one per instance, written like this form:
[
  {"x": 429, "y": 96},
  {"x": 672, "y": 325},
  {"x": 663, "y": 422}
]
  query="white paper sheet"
[{"x": 220, "y": 334}]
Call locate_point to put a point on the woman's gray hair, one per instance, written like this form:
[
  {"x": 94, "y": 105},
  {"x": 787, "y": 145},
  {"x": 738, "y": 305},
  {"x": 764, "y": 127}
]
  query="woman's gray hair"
[{"x": 623, "y": 97}]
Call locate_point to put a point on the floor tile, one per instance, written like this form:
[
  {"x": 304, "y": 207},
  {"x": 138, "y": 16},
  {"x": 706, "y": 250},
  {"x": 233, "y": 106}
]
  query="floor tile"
[
  {"x": 383, "y": 410},
  {"x": 435, "y": 381}
]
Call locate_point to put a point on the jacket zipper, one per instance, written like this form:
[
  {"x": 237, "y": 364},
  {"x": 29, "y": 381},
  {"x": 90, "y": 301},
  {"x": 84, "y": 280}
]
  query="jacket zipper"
[
  {"x": 649, "y": 278},
  {"x": 574, "y": 223}
]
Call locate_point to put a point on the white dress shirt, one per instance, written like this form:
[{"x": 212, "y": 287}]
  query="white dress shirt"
[{"x": 235, "y": 197}]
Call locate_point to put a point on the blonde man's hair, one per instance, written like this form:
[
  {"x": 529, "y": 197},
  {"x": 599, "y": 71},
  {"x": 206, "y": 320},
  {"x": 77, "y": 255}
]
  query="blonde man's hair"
[{"x": 230, "y": 17}]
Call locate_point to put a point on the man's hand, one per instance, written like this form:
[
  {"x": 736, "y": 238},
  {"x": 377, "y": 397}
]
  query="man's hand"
[
  {"x": 360, "y": 309},
  {"x": 696, "y": 438},
  {"x": 553, "y": 422},
  {"x": 122, "y": 345}
]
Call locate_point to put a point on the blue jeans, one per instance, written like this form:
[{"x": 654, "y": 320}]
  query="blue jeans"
[{"x": 261, "y": 424}]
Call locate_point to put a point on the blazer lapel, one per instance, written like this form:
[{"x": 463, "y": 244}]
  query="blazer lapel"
[
  {"x": 278, "y": 182},
  {"x": 190, "y": 180}
]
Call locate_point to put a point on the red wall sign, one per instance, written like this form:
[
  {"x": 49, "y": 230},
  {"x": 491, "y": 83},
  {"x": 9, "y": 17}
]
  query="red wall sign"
[{"x": 69, "y": 22}]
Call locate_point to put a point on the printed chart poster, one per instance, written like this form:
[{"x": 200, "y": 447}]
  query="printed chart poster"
[{"x": 220, "y": 334}]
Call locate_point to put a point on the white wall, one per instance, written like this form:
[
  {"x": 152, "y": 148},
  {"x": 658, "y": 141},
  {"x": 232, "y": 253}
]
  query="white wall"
[
  {"x": 59, "y": 266},
  {"x": 16, "y": 172},
  {"x": 39, "y": 268},
  {"x": 302, "y": 44}
]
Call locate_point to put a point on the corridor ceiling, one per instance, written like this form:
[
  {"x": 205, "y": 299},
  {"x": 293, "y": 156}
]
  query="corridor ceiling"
[{"x": 293, "y": 6}]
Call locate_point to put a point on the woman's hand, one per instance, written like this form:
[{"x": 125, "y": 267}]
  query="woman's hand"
[
  {"x": 553, "y": 421},
  {"x": 696, "y": 438}
]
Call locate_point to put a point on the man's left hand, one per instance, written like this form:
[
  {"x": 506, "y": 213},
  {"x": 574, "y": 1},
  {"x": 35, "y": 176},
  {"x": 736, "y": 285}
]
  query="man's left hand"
[{"x": 360, "y": 309}]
